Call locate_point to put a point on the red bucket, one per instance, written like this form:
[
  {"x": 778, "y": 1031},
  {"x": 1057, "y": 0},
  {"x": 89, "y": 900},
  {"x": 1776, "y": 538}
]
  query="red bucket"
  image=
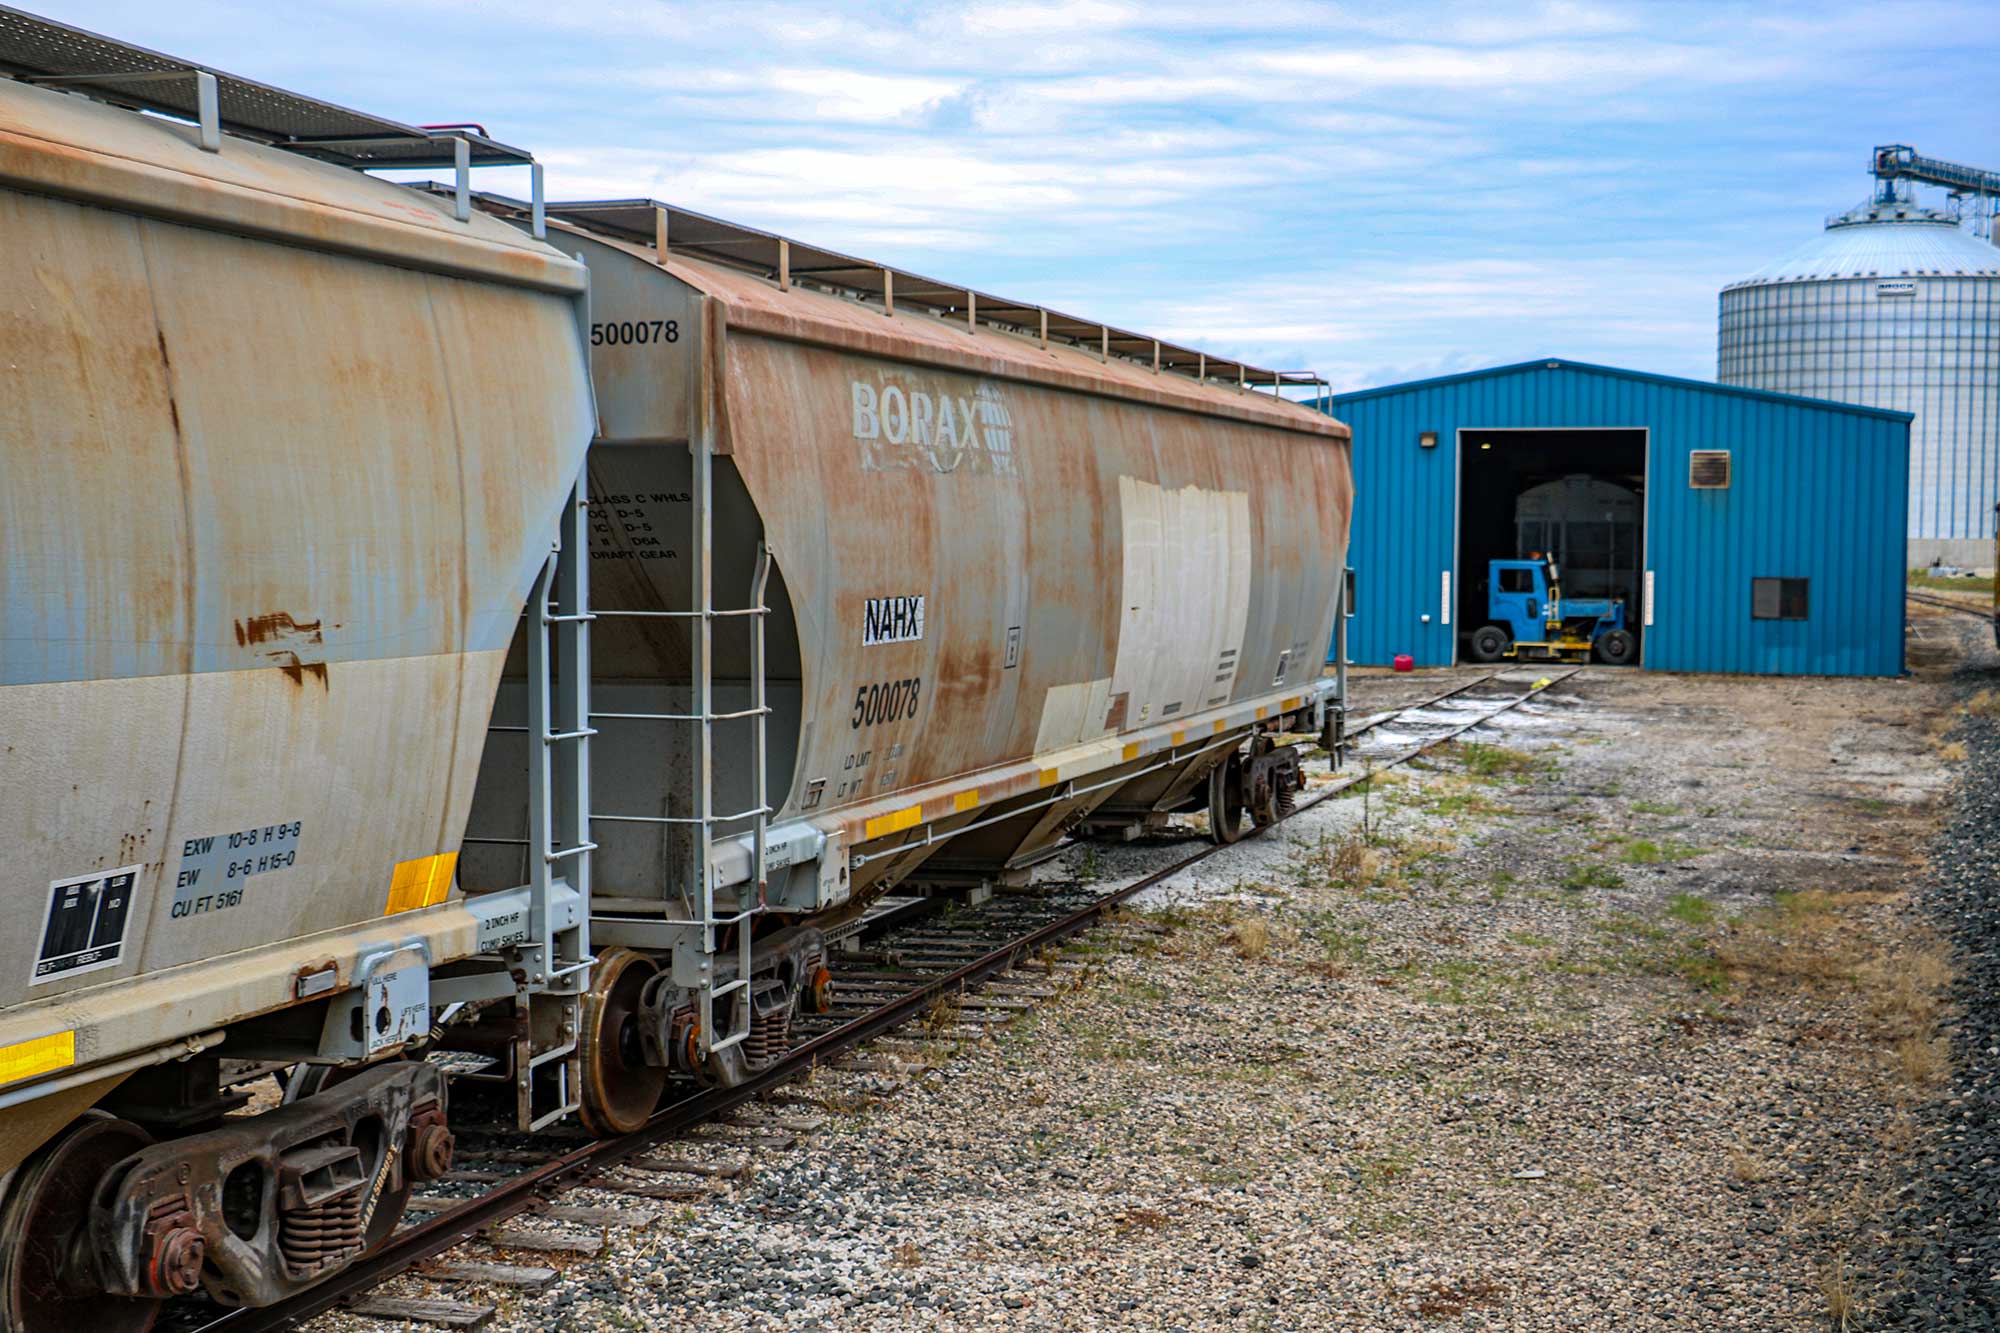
[{"x": 1405, "y": 662}]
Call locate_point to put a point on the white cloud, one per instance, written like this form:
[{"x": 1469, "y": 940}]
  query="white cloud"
[{"x": 1365, "y": 187}]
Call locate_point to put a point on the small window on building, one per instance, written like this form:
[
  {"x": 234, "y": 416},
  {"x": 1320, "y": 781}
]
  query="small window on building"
[
  {"x": 1778, "y": 599},
  {"x": 1517, "y": 580},
  {"x": 1708, "y": 469}
]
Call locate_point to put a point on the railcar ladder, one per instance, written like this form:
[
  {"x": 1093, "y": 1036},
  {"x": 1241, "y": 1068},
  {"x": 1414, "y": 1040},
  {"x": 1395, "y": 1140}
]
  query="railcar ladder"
[
  {"x": 556, "y": 956},
  {"x": 705, "y": 923}
]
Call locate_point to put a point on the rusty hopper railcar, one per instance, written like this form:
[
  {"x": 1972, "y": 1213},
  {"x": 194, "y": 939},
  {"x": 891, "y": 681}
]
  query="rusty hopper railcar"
[
  {"x": 282, "y": 449},
  {"x": 888, "y": 585}
]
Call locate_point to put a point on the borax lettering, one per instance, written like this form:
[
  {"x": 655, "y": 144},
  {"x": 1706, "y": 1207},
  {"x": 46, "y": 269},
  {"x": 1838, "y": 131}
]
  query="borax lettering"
[{"x": 902, "y": 427}]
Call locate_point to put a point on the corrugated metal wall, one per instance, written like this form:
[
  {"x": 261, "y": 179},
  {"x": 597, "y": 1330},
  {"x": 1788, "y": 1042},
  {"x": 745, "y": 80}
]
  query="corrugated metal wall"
[{"x": 1819, "y": 491}]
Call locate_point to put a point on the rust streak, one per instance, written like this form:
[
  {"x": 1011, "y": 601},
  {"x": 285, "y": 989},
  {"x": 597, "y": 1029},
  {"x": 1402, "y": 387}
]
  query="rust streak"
[
  {"x": 276, "y": 625},
  {"x": 297, "y": 671}
]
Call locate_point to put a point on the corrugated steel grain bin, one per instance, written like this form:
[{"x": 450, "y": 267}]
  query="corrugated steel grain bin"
[{"x": 1769, "y": 532}]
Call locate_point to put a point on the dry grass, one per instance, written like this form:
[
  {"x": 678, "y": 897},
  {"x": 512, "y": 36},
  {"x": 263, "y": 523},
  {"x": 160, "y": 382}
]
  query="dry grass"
[
  {"x": 1134, "y": 1220},
  {"x": 1907, "y": 993},
  {"x": 1448, "y": 1300},
  {"x": 1747, "y": 1167},
  {"x": 1984, "y": 704},
  {"x": 907, "y": 1255},
  {"x": 1952, "y": 752},
  {"x": 1920, "y": 1061},
  {"x": 1836, "y": 1288},
  {"x": 1250, "y": 936},
  {"x": 943, "y": 1015}
]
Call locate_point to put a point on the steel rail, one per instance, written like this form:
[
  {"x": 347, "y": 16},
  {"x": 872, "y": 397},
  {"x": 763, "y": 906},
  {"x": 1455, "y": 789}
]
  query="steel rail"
[
  {"x": 1377, "y": 721},
  {"x": 1949, "y": 604},
  {"x": 524, "y": 1192}
]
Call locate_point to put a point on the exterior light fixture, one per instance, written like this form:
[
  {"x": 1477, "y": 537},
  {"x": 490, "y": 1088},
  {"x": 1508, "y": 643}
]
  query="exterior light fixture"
[
  {"x": 1427, "y": 439},
  {"x": 1486, "y": 444}
]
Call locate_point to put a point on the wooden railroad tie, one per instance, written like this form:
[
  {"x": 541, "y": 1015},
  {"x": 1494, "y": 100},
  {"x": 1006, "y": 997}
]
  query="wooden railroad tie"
[
  {"x": 543, "y": 1242},
  {"x": 522, "y": 1277},
  {"x": 406, "y": 1310}
]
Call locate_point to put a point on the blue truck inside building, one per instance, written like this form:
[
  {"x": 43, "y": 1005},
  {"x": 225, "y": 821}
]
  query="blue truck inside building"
[{"x": 1739, "y": 530}]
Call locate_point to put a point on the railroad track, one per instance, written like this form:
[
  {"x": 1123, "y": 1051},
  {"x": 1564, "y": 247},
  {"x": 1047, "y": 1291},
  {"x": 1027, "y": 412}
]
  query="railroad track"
[
  {"x": 1951, "y": 604},
  {"x": 984, "y": 962}
]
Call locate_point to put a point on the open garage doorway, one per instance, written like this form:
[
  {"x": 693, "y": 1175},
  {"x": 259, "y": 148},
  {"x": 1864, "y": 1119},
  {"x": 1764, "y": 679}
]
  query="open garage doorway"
[{"x": 1578, "y": 495}]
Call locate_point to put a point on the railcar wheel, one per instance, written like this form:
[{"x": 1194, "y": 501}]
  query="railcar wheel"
[
  {"x": 1617, "y": 647},
  {"x": 1489, "y": 644},
  {"x": 620, "y": 1089},
  {"x": 1225, "y": 800},
  {"x": 46, "y": 1282}
]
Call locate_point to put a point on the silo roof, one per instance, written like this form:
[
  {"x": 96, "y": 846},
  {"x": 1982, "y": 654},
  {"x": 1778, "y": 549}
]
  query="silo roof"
[{"x": 1885, "y": 249}]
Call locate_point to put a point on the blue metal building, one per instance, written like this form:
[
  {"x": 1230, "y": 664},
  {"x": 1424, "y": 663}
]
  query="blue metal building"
[{"x": 1749, "y": 531}]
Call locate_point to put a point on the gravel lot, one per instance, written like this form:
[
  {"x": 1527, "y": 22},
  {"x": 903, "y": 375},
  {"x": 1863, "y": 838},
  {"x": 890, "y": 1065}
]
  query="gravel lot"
[
  {"x": 1939, "y": 1246},
  {"x": 1625, "y": 1017}
]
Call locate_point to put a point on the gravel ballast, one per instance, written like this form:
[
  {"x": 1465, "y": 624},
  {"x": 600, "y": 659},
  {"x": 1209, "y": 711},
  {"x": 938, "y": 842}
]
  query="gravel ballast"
[{"x": 1607, "y": 1021}]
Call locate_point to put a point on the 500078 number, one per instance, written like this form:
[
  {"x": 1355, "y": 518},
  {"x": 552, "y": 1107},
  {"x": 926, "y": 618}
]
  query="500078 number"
[
  {"x": 890, "y": 701},
  {"x": 634, "y": 332}
]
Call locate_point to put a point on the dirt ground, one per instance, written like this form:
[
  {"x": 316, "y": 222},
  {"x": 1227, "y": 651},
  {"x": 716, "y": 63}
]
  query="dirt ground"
[{"x": 1614, "y": 1016}]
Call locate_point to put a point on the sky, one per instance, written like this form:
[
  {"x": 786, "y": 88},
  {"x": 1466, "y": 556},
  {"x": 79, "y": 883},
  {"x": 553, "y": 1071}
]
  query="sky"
[{"x": 1375, "y": 192}]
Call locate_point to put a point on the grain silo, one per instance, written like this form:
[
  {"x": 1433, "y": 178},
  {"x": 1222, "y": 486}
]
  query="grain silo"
[{"x": 1893, "y": 306}]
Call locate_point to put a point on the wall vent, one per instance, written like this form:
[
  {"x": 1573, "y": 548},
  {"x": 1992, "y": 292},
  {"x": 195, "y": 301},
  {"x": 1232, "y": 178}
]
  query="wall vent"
[{"x": 1708, "y": 469}]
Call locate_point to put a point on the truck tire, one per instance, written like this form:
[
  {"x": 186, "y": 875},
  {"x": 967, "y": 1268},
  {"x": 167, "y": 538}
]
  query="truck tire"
[
  {"x": 1489, "y": 644},
  {"x": 1617, "y": 647}
]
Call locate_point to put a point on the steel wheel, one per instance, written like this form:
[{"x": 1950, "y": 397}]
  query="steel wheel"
[
  {"x": 1225, "y": 800},
  {"x": 620, "y": 1089},
  {"x": 45, "y": 1277}
]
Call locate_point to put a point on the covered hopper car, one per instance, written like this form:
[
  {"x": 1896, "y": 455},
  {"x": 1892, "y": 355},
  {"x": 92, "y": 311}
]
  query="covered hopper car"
[
  {"x": 453, "y": 647},
  {"x": 282, "y": 450},
  {"x": 888, "y": 591}
]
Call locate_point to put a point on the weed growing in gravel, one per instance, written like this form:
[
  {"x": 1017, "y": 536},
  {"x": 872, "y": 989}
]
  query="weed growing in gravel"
[
  {"x": 1643, "y": 853},
  {"x": 1984, "y": 704},
  {"x": 1691, "y": 909},
  {"x": 1495, "y": 762},
  {"x": 1591, "y": 875},
  {"x": 1653, "y": 808}
]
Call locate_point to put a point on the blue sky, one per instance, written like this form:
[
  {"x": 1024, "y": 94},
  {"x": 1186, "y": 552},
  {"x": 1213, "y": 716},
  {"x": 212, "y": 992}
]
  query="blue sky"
[{"x": 1375, "y": 192}]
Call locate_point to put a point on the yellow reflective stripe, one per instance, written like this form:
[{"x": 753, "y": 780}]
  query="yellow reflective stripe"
[
  {"x": 1050, "y": 777},
  {"x": 1132, "y": 750},
  {"x": 1180, "y": 737},
  {"x": 423, "y": 882},
  {"x": 38, "y": 1055},
  {"x": 965, "y": 800},
  {"x": 1290, "y": 703},
  {"x": 894, "y": 822},
  {"x": 1219, "y": 725}
]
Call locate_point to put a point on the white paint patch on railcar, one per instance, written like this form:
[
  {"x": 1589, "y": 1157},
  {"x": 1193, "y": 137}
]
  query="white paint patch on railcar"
[
  {"x": 1186, "y": 599},
  {"x": 1073, "y": 714}
]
